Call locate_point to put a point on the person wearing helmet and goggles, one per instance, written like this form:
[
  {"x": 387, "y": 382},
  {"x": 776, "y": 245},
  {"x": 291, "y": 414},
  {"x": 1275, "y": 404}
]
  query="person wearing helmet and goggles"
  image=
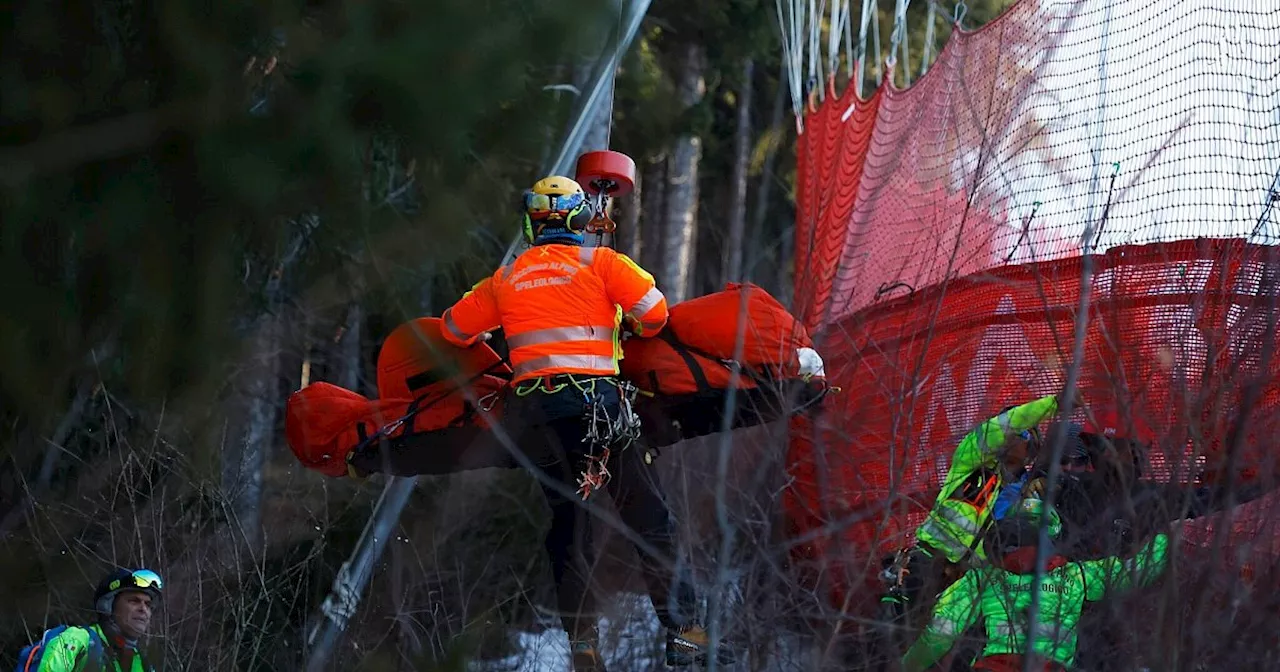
[
  {"x": 562, "y": 307},
  {"x": 999, "y": 596},
  {"x": 124, "y": 601}
]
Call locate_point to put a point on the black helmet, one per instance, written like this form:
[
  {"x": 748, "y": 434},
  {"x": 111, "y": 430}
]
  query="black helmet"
[
  {"x": 1074, "y": 449},
  {"x": 1021, "y": 526},
  {"x": 121, "y": 580}
]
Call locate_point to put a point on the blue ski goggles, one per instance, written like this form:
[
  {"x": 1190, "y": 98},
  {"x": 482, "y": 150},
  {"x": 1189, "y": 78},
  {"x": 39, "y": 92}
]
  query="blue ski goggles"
[{"x": 540, "y": 206}]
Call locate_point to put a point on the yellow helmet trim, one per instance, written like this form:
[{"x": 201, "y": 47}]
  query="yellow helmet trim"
[{"x": 556, "y": 185}]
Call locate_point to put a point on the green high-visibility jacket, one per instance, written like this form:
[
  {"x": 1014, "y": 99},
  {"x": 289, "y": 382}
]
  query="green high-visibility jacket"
[
  {"x": 1003, "y": 600},
  {"x": 953, "y": 525},
  {"x": 70, "y": 652}
]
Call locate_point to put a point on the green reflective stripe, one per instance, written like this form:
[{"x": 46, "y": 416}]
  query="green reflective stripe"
[
  {"x": 561, "y": 335},
  {"x": 635, "y": 268},
  {"x": 942, "y": 539},
  {"x": 958, "y": 519},
  {"x": 453, "y": 326},
  {"x": 1003, "y": 629},
  {"x": 952, "y": 530},
  {"x": 646, "y": 303},
  {"x": 586, "y": 255},
  {"x": 589, "y": 362}
]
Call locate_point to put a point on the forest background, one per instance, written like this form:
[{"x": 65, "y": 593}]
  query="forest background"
[{"x": 208, "y": 205}]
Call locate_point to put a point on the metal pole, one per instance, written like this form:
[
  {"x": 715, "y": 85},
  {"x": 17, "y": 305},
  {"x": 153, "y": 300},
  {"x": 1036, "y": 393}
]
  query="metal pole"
[
  {"x": 601, "y": 80},
  {"x": 353, "y": 577},
  {"x": 355, "y": 573}
]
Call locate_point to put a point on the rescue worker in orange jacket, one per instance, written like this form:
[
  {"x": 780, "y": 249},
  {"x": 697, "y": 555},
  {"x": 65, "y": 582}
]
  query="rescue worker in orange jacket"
[{"x": 561, "y": 307}]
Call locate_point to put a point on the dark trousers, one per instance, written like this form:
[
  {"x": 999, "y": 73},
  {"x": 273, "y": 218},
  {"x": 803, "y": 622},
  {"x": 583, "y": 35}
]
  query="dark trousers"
[
  {"x": 907, "y": 606},
  {"x": 554, "y": 425}
]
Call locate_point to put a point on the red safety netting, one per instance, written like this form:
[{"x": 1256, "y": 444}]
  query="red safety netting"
[
  {"x": 938, "y": 258},
  {"x": 1006, "y": 147},
  {"x": 1176, "y": 335}
]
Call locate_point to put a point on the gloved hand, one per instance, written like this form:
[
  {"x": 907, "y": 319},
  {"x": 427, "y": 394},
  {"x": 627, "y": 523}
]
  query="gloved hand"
[
  {"x": 631, "y": 326},
  {"x": 1077, "y": 398},
  {"x": 810, "y": 363}
]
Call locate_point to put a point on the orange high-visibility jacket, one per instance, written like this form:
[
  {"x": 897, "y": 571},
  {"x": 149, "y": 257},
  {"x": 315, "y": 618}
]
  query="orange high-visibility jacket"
[{"x": 560, "y": 308}]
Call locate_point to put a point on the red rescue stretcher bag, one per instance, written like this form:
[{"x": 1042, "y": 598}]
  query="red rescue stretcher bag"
[
  {"x": 431, "y": 395},
  {"x": 685, "y": 370}
]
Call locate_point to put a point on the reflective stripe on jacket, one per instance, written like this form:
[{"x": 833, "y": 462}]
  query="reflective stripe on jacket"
[
  {"x": 560, "y": 308},
  {"x": 952, "y": 527}
]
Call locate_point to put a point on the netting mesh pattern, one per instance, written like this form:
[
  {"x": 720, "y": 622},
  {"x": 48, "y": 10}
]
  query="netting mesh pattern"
[
  {"x": 1177, "y": 335},
  {"x": 939, "y": 258},
  {"x": 1007, "y": 147}
]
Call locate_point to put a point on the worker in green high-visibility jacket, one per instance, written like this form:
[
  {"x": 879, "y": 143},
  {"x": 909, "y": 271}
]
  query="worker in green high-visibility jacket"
[
  {"x": 1000, "y": 593},
  {"x": 994, "y": 454},
  {"x": 988, "y": 457}
]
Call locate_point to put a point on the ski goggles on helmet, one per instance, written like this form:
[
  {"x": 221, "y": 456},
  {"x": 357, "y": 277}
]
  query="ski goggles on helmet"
[
  {"x": 139, "y": 578},
  {"x": 541, "y": 206}
]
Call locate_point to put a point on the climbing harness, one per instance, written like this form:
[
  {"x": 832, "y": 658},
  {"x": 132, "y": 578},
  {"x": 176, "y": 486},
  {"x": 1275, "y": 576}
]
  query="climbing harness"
[
  {"x": 607, "y": 432},
  {"x": 896, "y": 572},
  {"x": 604, "y": 431}
]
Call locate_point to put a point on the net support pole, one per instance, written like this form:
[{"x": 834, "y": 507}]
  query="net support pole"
[
  {"x": 585, "y": 111},
  {"x": 354, "y": 575},
  {"x": 867, "y": 10}
]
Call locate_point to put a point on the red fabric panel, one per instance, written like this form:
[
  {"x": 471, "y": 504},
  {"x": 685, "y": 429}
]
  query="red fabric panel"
[
  {"x": 1176, "y": 335},
  {"x": 831, "y": 155},
  {"x": 913, "y": 222}
]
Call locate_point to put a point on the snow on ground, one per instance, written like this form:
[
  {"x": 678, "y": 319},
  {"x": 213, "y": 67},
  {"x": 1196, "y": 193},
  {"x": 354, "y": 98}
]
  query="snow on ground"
[{"x": 631, "y": 640}]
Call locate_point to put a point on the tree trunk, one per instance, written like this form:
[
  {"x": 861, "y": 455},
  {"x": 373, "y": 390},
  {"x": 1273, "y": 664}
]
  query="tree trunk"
[
  {"x": 629, "y": 235},
  {"x": 732, "y": 271},
  {"x": 245, "y": 456},
  {"x": 56, "y": 445},
  {"x": 426, "y": 300},
  {"x": 786, "y": 267},
  {"x": 350, "y": 353},
  {"x": 653, "y": 211},
  {"x": 764, "y": 189},
  {"x": 682, "y": 185}
]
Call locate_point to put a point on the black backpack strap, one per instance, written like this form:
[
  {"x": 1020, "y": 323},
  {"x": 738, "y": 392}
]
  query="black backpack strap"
[
  {"x": 92, "y": 663},
  {"x": 653, "y": 382},
  {"x": 762, "y": 377},
  {"x": 699, "y": 376}
]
